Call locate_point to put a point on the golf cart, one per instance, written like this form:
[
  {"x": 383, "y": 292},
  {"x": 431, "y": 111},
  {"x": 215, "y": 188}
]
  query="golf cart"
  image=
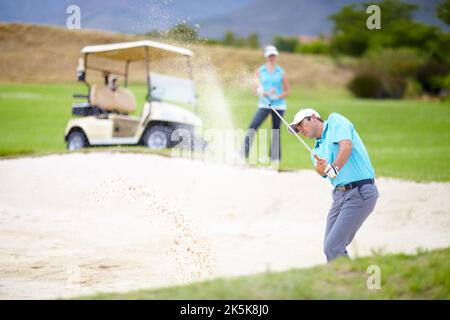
[{"x": 105, "y": 119}]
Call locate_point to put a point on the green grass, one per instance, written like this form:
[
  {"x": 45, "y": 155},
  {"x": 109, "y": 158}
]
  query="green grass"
[
  {"x": 407, "y": 139},
  {"x": 425, "y": 275}
]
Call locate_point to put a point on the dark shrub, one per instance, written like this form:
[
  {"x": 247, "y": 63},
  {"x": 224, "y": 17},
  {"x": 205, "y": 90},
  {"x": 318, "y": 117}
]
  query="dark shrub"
[
  {"x": 365, "y": 85},
  {"x": 394, "y": 87},
  {"x": 286, "y": 44},
  {"x": 427, "y": 73},
  {"x": 315, "y": 47},
  {"x": 385, "y": 73}
]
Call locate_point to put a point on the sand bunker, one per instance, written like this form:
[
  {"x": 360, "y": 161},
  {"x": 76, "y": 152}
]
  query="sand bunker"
[{"x": 84, "y": 223}]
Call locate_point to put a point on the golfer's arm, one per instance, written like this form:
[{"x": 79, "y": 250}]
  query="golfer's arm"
[
  {"x": 286, "y": 87},
  {"x": 345, "y": 149}
]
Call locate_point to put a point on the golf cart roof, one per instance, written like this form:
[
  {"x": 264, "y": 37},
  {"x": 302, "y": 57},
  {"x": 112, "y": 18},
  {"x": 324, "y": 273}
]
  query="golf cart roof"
[{"x": 135, "y": 50}]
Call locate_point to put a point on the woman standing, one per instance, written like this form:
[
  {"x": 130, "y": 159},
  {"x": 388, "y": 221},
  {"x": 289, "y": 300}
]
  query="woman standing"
[{"x": 275, "y": 86}]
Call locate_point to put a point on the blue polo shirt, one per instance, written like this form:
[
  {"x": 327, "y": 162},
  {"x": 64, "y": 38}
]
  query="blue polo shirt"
[
  {"x": 358, "y": 165},
  {"x": 272, "y": 81}
]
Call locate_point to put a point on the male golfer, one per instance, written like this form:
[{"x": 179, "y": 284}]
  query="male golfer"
[{"x": 345, "y": 161}]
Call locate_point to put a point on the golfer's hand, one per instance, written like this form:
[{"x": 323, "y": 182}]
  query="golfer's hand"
[
  {"x": 261, "y": 93},
  {"x": 331, "y": 171},
  {"x": 272, "y": 94},
  {"x": 321, "y": 165}
]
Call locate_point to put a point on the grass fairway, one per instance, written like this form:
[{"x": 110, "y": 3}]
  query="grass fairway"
[
  {"x": 405, "y": 139},
  {"x": 425, "y": 275}
]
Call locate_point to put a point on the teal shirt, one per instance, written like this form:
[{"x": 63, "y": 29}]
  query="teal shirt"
[
  {"x": 272, "y": 80},
  {"x": 358, "y": 165}
]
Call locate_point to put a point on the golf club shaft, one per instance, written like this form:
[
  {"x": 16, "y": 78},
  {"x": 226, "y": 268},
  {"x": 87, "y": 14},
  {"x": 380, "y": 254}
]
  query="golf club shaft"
[{"x": 289, "y": 127}]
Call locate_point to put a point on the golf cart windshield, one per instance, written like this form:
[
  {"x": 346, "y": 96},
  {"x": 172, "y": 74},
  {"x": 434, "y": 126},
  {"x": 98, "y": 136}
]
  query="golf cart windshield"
[{"x": 173, "y": 89}]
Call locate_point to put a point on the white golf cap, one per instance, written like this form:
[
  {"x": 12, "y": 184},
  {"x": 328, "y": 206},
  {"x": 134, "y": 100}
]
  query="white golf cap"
[
  {"x": 302, "y": 114},
  {"x": 270, "y": 50}
]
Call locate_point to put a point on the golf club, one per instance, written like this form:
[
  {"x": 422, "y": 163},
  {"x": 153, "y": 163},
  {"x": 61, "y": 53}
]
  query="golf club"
[{"x": 267, "y": 102}]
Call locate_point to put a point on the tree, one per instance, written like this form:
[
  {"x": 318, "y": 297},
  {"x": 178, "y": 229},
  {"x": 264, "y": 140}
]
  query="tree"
[
  {"x": 443, "y": 11},
  {"x": 183, "y": 32},
  {"x": 253, "y": 41},
  {"x": 287, "y": 44},
  {"x": 229, "y": 39},
  {"x": 391, "y": 64},
  {"x": 349, "y": 32},
  {"x": 351, "y": 36}
]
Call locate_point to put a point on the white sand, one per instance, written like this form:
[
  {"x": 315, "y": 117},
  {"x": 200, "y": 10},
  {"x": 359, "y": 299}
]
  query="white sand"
[{"x": 84, "y": 223}]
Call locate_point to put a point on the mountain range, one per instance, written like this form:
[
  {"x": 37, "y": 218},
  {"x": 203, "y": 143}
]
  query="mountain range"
[{"x": 211, "y": 18}]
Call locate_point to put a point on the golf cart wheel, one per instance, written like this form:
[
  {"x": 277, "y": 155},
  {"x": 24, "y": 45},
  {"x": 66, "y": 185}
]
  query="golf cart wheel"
[
  {"x": 76, "y": 140},
  {"x": 157, "y": 137}
]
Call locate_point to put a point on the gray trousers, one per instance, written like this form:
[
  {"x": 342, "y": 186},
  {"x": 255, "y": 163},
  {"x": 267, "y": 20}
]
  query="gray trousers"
[{"x": 349, "y": 210}]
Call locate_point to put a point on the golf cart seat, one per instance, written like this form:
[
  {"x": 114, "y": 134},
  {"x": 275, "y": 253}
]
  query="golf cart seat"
[{"x": 121, "y": 100}]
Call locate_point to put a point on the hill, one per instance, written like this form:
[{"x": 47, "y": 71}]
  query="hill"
[{"x": 44, "y": 54}]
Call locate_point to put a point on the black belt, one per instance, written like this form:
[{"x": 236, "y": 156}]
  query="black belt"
[{"x": 355, "y": 184}]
